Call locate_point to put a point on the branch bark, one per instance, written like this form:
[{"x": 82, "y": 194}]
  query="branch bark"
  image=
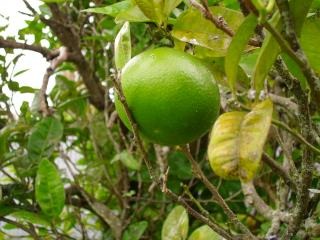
[{"x": 47, "y": 53}]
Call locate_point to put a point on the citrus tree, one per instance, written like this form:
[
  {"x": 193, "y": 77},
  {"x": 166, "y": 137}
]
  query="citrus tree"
[{"x": 168, "y": 119}]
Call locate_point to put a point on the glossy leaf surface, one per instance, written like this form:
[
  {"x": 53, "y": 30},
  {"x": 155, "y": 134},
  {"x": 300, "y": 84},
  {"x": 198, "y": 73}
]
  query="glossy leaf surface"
[
  {"x": 176, "y": 225},
  {"x": 204, "y": 233}
]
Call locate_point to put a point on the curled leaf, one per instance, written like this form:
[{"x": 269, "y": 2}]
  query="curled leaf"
[
  {"x": 122, "y": 46},
  {"x": 237, "y": 141}
]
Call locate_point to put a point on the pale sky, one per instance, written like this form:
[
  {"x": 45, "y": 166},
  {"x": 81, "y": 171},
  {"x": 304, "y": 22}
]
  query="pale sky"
[{"x": 33, "y": 61}]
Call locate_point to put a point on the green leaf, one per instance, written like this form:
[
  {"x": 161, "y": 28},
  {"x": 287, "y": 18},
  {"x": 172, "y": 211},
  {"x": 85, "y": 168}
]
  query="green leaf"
[
  {"x": 122, "y": 46},
  {"x": 13, "y": 86},
  {"x": 77, "y": 104},
  {"x": 176, "y": 225},
  {"x": 27, "y": 89},
  {"x": 270, "y": 48},
  {"x": 179, "y": 166},
  {"x": 6, "y": 209},
  {"x": 4, "y": 135},
  {"x": 43, "y": 138},
  {"x": 237, "y": 141},
  {"x": 112, "y": 10},
  {"x": 169, "y": 5},
  {"x": 20, "y": 72},
  {"x": 299, "y": 10},
  {"x": 236, "y": 48},
  {"x": 267, "y": 56},
  {"x": 193, "y": 28},
  {"x": 127, "y": 159},
  {"x": 204, "y": 233},
  {"x": 153, "y": 9},
  {"x": 135, "y": 231},
  {"x": 31, "y": 217},
  {"x": 133, "y": 14},
  {"x": 310, "y": 37},
  {"x": 49, "y": 189}
]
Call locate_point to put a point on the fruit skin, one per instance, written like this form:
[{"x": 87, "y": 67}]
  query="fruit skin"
[{"x": 172, "y": 96}]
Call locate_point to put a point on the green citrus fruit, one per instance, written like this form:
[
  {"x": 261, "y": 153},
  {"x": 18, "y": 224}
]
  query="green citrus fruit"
[{"x": 172, "y": 96}]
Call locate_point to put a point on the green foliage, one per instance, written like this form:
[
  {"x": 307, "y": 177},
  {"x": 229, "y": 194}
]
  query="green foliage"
[
  {"x": 237, "y": 45},
  {"x": 176, "y": 225},
  {"x": 77, "y": 172},
  {"x": 49, "y": 190},
  {"x": 311, "y": 34},
  {"x": 193, "y": 28},
  {"x": 122, "y": 46},
  {"x": 267, "y": 56},
  {"x": 43, "y": 138},
  {"x": 135, "y": 231}
]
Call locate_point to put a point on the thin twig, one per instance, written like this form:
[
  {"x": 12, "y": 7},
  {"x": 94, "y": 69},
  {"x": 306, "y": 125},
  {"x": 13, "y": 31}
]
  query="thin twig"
[
  {"x": 278, "y": 169},
  {"x": 296, "y": 134},
  {"x": 118, "y": 88},
  {"x": 161, "y": 183},
  {"x": 199, "y": 216},
  {"x": 216, "y": 195},
  {"x": 21, "y": 226},
  {"x": 219, "y": 22},
  {"x": 301, "y": 60},
  {"x": 55, "y": 62}
]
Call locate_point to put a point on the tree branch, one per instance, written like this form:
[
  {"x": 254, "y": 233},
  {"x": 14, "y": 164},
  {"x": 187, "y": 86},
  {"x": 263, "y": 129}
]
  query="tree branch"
[
  {"x": 278, "y": 169},
  {"x": 21, "y": 226},
  {"x": 219, "y": 22},
  {"x": 300, "y": 58},
  {"x": 216, "y": 195},
  {"x": 47, "y": 53},
  {"x": 284, "y": 102},
  {"x": 55, "y": 62},
  {"x": 253, "y": 198},
  {"x": 68, "y": 34}
]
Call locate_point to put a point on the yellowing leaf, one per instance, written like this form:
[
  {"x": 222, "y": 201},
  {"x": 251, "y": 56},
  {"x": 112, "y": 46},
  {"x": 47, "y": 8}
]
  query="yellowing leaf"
[
  {"x": 237, "y": 141},
  {"x": 176, "y": 225}
]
